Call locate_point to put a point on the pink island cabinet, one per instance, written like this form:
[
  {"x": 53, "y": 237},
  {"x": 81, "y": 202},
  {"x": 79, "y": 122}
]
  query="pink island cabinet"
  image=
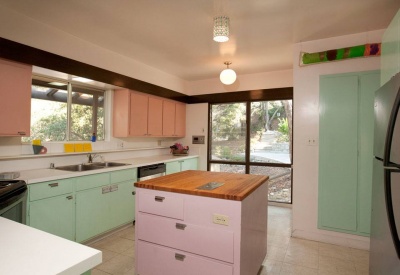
[{"x": 183, "y": 230}]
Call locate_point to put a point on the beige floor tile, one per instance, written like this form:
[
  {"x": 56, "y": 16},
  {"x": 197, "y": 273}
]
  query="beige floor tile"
[
  {"x": 276, "y": 253},
  {"x": 302, "y": 246},
  {"x": 130, "y": 272},
  {"x": 118, "y": 265},
  {"x": 117, "y": 244},
  {"x": 360, "y": 256},
  {"x": 270, "y": 267},
  {"x": 335, "y": 251},
  {"x": 289, "y": 269},
  {"x": 128, "y": 233},
  {"x": 98, "y": 272},
  {"x": 362, "y": 269},
  {"x": 129, "y": 252},
  {"x": 278, "y": 241},
  {"x": 331, "y": 264},
  {"x": 303, "y": 259}
]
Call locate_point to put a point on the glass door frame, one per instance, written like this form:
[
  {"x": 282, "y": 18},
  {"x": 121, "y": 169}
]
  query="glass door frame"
[{"x": 247, "y": 163}]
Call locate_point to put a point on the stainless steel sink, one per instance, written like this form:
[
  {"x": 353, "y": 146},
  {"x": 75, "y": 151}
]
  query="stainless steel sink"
[
  {"x": 109, "y": 164},
  {"x": 89, "y": 166},
  {"x": 78, "y": 167}
]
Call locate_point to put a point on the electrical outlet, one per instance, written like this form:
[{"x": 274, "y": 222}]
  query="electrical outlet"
[
  {"x": 312, "y": 142},
  {"x": 220, "y": 219}
]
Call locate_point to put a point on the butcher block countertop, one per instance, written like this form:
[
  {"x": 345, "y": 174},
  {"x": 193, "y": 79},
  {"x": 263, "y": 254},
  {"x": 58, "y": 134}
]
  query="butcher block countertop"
[{"x": 235, "y": 186}]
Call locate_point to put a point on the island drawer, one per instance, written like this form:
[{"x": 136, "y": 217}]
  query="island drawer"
[
  {"x": 171, "y": 261},
  {"x": 211, "y": 242},
  {"x": 158, "y": 203},
  {"x": 51, "y": 188}
]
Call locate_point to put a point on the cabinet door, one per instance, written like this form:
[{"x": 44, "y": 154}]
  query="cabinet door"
[
  {"x": 369, "y": 83},
  {"x": 92, "y": 213},
  {"x": 54, "y": 215},
  {"x": 168, "y": 118},
  {"x": 15, "y": 91},
  {"x": 121, "y": 113},
  {"x": 180, "y": 120},
  {"x": 122, "y": 203},
  {"x": 172, "y": 167},
  {"x": 155, "y": 119},
  {"x": 138, "y": 114},
  {"x": 189, "y": 164},
  {"x": 338, "y": 149}
]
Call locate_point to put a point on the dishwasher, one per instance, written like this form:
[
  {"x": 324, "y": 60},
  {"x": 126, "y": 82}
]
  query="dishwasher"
[{"x": 151, "y": 171}]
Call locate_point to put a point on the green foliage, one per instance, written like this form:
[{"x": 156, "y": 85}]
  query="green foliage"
[
  {"x": 283, "y": 128},
  {"x": 228, "y": 121}
]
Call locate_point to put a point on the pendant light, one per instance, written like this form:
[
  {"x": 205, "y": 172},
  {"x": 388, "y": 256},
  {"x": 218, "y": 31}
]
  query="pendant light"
[
  {"x": 227, "y": 76},
  {"x": 221, "y": 29}
]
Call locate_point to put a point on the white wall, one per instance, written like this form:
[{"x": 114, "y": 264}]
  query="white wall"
[
  {"x": 306, "y": 125},
  {"x": 22, "y": 29}
]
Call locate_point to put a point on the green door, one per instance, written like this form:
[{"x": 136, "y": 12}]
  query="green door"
[
  {"x": 189, "y": 164},
  {"x": 172, "y": 167},
  {"x": 338, "y": 145},
  {"x": 92, "y": 213},
  {"x": 369, "y": 83},
  {"x": 55, "y": 215}
]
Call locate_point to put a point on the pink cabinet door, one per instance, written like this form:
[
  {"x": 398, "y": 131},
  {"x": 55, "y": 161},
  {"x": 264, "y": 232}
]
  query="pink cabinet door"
[
  {"x": 168, "y": 118},
  {"x": 156, "y": 260},
  {"x": 138, "y": 115},
  {"x": 211, "y": 242},
  {"x": 15, "y": 103},
  {"x": 180, "y": 120},
  {"x": 155, "y": 118}
]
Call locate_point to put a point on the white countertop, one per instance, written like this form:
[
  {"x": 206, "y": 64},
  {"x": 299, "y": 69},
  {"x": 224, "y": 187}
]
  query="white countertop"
[
  {"x": 26, "y": 250},
  {"x": 47, "y": 174}
]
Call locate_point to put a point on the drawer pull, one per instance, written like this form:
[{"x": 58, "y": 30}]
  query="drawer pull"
[
  {"x": 158, "y": 198},
  {"x": 70, "y": 197},
  {"x": 105, "y": 190},
  {"x": 114, "y": 188},
  {"x": 133, "y": 193},
  {"x": 179, "y": 257},
  {"x": 53, "y": 184},
  {"x": 180, "y": 226}
]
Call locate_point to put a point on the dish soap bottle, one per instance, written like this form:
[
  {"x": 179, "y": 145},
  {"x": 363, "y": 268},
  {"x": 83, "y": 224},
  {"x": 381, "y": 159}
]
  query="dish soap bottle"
[{"x": 93, "y": 137}]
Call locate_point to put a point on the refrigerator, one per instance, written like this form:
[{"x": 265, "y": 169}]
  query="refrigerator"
[{"x": 385, "y": 214}]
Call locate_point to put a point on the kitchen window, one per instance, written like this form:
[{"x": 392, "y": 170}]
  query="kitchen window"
[
  {"x": 254, "y": 138},
  {"x": 62, "y": 111}
]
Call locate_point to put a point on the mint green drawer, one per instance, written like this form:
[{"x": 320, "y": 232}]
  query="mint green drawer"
[
  {"x": 124, "y": 175},
  {"x": 51, "y": 188},
  {"x": 92, "y": 181}
]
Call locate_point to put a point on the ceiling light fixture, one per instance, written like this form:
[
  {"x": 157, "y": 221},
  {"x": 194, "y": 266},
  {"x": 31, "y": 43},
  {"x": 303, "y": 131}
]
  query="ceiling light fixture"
[
  {"x": 82, "y": 79},
  {"x": 227, "y": 76},
  {"x": 221, "y": 28}
]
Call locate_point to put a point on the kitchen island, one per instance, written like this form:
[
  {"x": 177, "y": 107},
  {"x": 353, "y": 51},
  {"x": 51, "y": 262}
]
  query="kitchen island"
[{"x": 199, "y": 222}]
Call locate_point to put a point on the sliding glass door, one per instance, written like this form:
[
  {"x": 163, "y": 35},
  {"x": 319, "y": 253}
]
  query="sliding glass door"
[{"x": 254, "y": 138}]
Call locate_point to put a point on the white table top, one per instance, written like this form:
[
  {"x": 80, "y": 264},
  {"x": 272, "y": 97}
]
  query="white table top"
[{"x": 26, "y": 250}]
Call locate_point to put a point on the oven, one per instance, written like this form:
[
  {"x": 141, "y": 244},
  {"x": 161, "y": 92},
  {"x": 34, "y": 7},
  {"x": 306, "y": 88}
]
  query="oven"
[{"x": 13, "y": 195}]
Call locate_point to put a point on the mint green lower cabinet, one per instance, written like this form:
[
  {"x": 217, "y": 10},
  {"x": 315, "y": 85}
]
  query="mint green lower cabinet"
[
  {"x": 55, "y": 215},
  {"x": 123, "y": 206},
  {"x": 345, "y": 151},
  {"x": 181, "y": 165},
  {"x": 92, "y": 213}
]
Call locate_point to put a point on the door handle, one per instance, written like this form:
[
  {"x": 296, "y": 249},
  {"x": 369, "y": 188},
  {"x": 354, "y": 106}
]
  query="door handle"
[
  {"x": 179, "y": 257},
  {"x": 159, "y": 199},
  {"x": 53, "y": 184},
  {"x": 70, "y": 197},
  {"x": 180, "y": 226},
  {"x": 133, "y": 193}
]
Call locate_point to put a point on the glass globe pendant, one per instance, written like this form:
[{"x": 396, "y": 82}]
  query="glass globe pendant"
[{"x": 227, "y": 76}]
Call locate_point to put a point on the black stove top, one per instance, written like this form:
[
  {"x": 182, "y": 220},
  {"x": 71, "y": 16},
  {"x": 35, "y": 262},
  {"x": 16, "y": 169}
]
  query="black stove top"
[{"x": 11, "y": 188}]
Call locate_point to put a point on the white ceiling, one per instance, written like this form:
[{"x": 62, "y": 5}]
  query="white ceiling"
[{"x": 175, "y": 36}]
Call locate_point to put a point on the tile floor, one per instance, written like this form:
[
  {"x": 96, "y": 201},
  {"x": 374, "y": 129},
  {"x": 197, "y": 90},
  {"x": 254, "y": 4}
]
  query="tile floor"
[{"x": 285, "y": 255}]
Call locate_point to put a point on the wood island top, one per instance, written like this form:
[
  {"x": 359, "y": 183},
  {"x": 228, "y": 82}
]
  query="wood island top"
[{"x": 235, "y": 186}]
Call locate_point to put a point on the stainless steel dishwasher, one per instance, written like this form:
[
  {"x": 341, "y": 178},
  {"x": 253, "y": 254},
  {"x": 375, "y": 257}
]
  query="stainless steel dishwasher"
[{"x": 151, "y": 171}]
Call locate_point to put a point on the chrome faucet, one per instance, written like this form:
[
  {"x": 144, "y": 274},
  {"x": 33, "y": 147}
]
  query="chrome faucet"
[{"x": 91, "y": 157}]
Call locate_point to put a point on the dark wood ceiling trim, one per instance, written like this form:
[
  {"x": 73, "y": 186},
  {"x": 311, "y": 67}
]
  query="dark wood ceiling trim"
[
  {"x": 253, "y": 95},
  {"x": 25, "y": 54}
]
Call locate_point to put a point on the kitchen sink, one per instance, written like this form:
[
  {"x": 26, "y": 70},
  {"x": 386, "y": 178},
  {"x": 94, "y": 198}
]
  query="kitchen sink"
[
  {"x": 78, "y": 167},
  {"x": 89, "y": 166},
  {"x": 109, "y": 164}
]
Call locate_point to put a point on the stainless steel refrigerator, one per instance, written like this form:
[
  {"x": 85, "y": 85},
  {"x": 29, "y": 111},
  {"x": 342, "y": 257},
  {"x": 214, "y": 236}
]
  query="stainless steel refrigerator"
[{"x": 385, "y": 215}]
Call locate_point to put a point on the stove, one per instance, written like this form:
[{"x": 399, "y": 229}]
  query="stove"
[{"x": 13, "y": 195}]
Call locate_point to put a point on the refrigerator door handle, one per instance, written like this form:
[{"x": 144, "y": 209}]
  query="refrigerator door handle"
[
  {"x": 390, "y": 211},
  {"x": 390, "y": 132}
]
